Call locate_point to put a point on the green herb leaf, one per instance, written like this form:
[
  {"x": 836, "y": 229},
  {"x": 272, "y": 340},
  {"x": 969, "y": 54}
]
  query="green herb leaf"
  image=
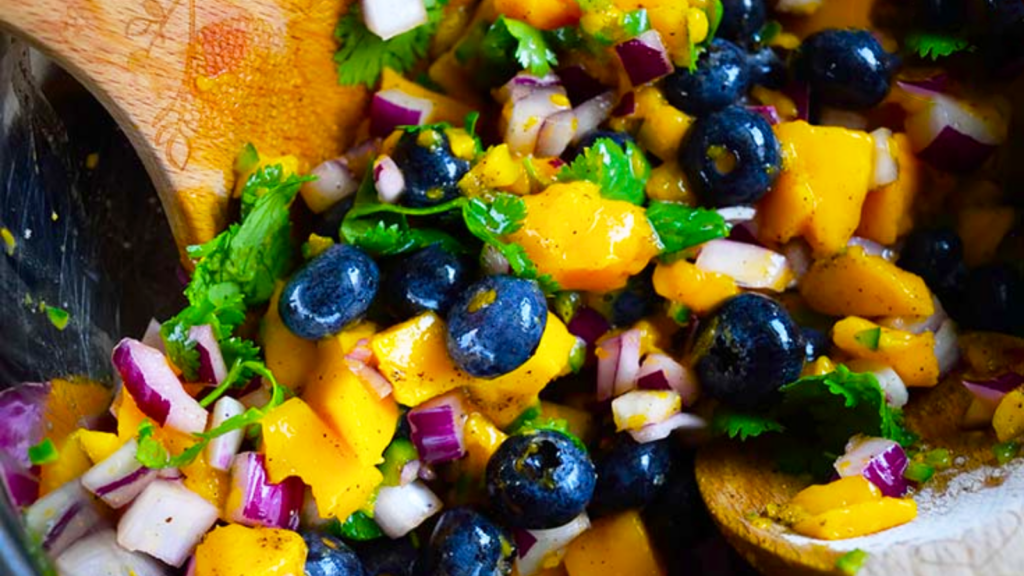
[
  {"x": 851, "y": 562},
  {"x": 58, "y": 317},
  {"x": 935, "y": 46},
  {"x": 532, "y": 51},
  {"x": 43, "y": 453},
  {"x": 635, "y": 23},
  {"x": 680, "y": 313},
  {"x": 621, "y": 174},
  {"x": 358, "y": 527},
  {"x": 680, "y": 226},
  {"x": 714, "y": 20},
  {"x": 869, "y": 338},
  {"x": 743, "y": 425}
]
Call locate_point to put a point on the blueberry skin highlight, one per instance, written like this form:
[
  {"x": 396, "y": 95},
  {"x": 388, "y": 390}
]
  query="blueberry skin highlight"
[
  {"x": 731, "y": 157},
  {"x": 630, "y": 475},
  {"x": 495, "y": 325},
  {"x": 741, "y": 20},
  {"x": 432, "y": 172},
  {"x": 846, "y": 69},
  {"x": 747, "y": 349},
  {"x": 539, "y": 480},
  {"x": 465, "y": 543},
  {"x": 937, "y": 256},
  {"x": 330, "y": 556},
  {"x": 425, "y": 281},
  {"x": 329, "y": 292},
  {"x": 721, "y": 78}
]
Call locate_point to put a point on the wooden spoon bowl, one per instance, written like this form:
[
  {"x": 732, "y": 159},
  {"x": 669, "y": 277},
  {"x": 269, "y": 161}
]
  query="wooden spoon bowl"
[
  {"x": 192, "y": 81},
  {"x": 970, "y": 516}
]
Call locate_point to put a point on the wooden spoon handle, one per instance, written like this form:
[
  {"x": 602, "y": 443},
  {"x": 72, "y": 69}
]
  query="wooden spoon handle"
[{"x": 191, "y": 81}]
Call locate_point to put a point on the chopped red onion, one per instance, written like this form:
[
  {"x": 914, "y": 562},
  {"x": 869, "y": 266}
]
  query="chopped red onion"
[
  {"x": 536, "y": 548},
  {"x": 437, "y": 428},
  {"x": 588, "y": 324},
  {"x": 523, "y": 84},
  {"x": 557, "y": 133},
  {"x": 166, "y": 521},
  {"x": 880, "y": 460},
  {"x": 955, "y": 135},
  {"x": 119, "y": 478},
  {"x": 62, "y": 517},
  {"x": 389, "y": 18},
  {"x": 212, "y": 369},
  {"x": 528, "y": 115},
  {"x": 750, "y": 266},
  {"x": 371, "y": 377},
  {"x": 220, "y": 452},
  {"x": 926, "y": 87},
  {"x": 580, "y": 85},
  {"x": 626, "y": 106},
  {"x": 22, "y": 410},
  {"x": 662, "y": 430},
  {"x": 872, "y": 248},
  {"x": 798, "y": 254},
  {"x": 410, "y": 472},
  {"x": 388, "y": 179},
  {"x": 800, "y": 94},
  {"x": 400, "y": 509},
  {"x": 156, "y": 389},
  {"x": 918, "y": 324},
  {"x": 769, "y": 113},
  {"x": 639, "y": 408},
  {"x": 310, "y": 514},
  {"x": 20, "y": 484},
  {"x": 947, "y": 352},
  {"x": 255, "y": 501},
  {"x": 190, "y": 570},
  {"x": 362, "y": 352},
  {"x": 100, "y": 555},
  {"x": 592, "y": 113},
  {"x": 661, "y": 372},
  {"x": 152, "y": 337},
  {"x": 986, "y": 395},
  {"x": 170, "y": 474},
  {"x": 644, "y": 58},
  {"x": 392, "y": 108},
  {"x": 885, "y": 170},
  {"x": 334, "y": 182},
  {"x": 257, "y": 398},
  {"x": 492, "y": 261},
  {"x": 618, "y": 364}
]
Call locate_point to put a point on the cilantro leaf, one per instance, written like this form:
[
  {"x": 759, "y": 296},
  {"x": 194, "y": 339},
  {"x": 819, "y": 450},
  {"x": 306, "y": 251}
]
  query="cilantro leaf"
[
  {"x": 531, "y": 50},
  {"x": 743, "y": 425},
  {"x": 680, "y": 226},
  {"x": 359, "y": 527},
  {"x": 621, "y": 174},
  {"x": 364, "y": 55},
  {"x": 635, "y": 23},
  {"x": 43, "y": 453},
  {"x": 502, "y": 216},
  {"x": 935, "y": 46}
]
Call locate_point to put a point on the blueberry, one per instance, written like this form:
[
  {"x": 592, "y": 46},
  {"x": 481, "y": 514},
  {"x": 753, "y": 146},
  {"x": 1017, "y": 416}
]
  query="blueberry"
[
  {"x": 328, "y": 556},
  {"x": 937, "y": 256},
  {"x": 328, "y": 224},
  {"x": 386, "y": 557},
  {"x": 428, "y": 280},
  {"x": 747, "y": 349},
  {"x": 630, "y": 475},
  {"x": 721, "y": 78},
  {"x": 677, "y": 519},
  {"x": 539, "y": 480},
  {"x": 844, "y": 68},
  {"x": 465, "y": 543},
  {"x": 731, "y": 157},
  {"x": 329, "y": 292},
  {"x": 742, "y": 19},
  {"x": 431, "y": 170},
  {"x": 816, "y": 343},
  {"x": 994, "y": 300},
  {"x": 634, "y": 302},
  {"x": 620, "y": 138},
  {"x": 768, "y": 69},
  {"x": 495, "y": 325},
  {"x": 942, "y": 15}
]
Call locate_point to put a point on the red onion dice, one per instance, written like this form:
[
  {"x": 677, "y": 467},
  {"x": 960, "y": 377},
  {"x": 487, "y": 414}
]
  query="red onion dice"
[
  {"x": 896, "y": 393},
  {"x": 523, "y": 84},
  {"x": 662, "y": 372},
  {"x": 437, "y": 428},
  {"x": 769, "y": 113},
  {"x": 536, "y": 548},
  {"x": 255, "y": 501},
  {"x": 885, "y": 170},
  {"x": 618, "y": 363},
  {"x": 592, "y": 113},
  {"x": 120, "y": 478},
  {"x": 400, "y": 509},
  {"x": 528, "y": 115},
  {"x": 166, "y": 521},
  {"x": 388, "y": 179},
  {"x": 955, "y": 135},
  {"x": 389, "y": 18},
  {"x": 750, "y": 266},
  {"x": 580, "y": 85},
  {"x": 62, "y": 517},
  {"x": 220, "y": 452},
  {"x": 639, "y": 408},
  {"x": 557, "y": 133},
  {"x": 662, "y": 430},
  {"x": 100, "y": 555},
  {"x": 212, "y": 369},
  {"x": 986, "y": 397},
  {"x": 334, "y": 182},
  {"x": 22, "y": 410},
  {"x": 392, "y": 108},
  {"x": 152, "y": 337},
  {"x": 881, "y": 461},
  {"x": 588, "y": 324},
  {"x": 370, "y": 376},
  {"x": 155, "y": 387},
  {"x": 644, "y": 58}
]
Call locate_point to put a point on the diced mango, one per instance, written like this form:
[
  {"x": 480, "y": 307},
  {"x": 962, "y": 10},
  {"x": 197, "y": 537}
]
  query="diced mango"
[
  {"x": 854, "y": 283},
  {"x": 413, "y": 356},
  {"x": 820, "y": 193},
  {"x": 614, "y": 545},
  {"x": 1008, "y": 420},
  {"x": 584, "y": 241},
  {"x": 858, "y": 519},
  {"x": 297, "y": 443},
  {"x": 482, "y": 439},
  {"x": 99, "y": 446},
  {"x": 129, "y": 416},
  {"x": 289, "y": 357},
  {"x": 236, "y": 550},
  {"x": 541, "y": 14},
  {"x": 700, "y": 291},
  {"x": 71, "y": 463},
  {"x": 70, "y": 402},
  {"x": 496, "y": 170},
  {"x": 446, "y": 109},
  {"x": 504, "y": 398},
  {"x": 348, "y": 405},
  {"x": 821, "y": 366},
  {"x": 205, "y": 480},
  {"x": 664, "y": 125},
  {"x": 580, "y": 422},
  {"x": 838, "y": 494},
  {"x": 888, "y": 213},
  {"x": 912, "y": 356},
  {"x": 982, "y": 229},
  {"x": 668, "y": 184}
]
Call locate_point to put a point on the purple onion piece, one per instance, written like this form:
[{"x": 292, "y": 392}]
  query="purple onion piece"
[
  {"x": 653, "y": 381},
  {"x": 580, "y": 85},
  {"x": 588, "y": 324},
  {"x": 212, "y": 369},
  {"x": 260, "y": 502},
  {"x": 390, "y": 109},
  {"x": 955, "y": 151},
  {"x": 644, "y": 58},
  {"x": 626, "y": 105},
  {"x": 879, "y": 460},
  {"x": 437, "y": 429},
  {"x": 769, "y": 113},
  {"x": 524, "y": 541}
]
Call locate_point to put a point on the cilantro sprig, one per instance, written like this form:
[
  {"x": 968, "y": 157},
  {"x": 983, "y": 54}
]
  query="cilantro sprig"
[
  {"x": 679, "y": 226},
  {"x": 529, "y": 45},
  {"x": 621, "y": 173},
  {"x": 933, "y": 46}
]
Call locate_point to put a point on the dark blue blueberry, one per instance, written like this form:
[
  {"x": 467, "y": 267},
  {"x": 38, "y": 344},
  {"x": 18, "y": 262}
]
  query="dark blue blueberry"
[
  {"x": 721, "y": 78},
  {"x": 816, "y": 343},
  {"x": 539, "y": 480},
  {"x": 1000, "y": 37},
  {"x": 465, "y": 543},
  {"x": 620, "y": 138},
  {"x": 630, "y": 475},
  {"x": 937, "y": 256},
  {"x": 634, "y": 302},
  {"x": 844, "y": 68},
  {"x": 328, "y": 224},
  {"x": 329, "y": 292},
  {"x": 495, "y": 325},
  {"x": 768, "y": 69},
  {"x": 431, "y": 170},
  {"x": 678, "y": 520},
  {"x": 741, "y": 19},
  {"x": 994, "y": 300},
  {"x": 731, "y": 157},
  {"x": 428, "y": 280},
  {"x": 747, "y": 349},
  {"x": 328, "y": 556},
  {"x": 942, "y": 15},
  {"x": 387, "y": 557}
]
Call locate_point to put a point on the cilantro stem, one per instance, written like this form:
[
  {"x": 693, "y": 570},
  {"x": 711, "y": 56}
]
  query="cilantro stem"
[{"x": 229, "y": 381}]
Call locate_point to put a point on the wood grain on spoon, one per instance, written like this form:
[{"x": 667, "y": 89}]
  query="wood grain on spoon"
[
  {"x": 970, "y": 522},
  {"x": 191, "y": 81}
]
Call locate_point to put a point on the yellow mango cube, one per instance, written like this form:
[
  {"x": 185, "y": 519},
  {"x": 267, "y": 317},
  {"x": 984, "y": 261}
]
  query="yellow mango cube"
[
  {"x": 912, "y": 356},
  {"x": 289, "y": 357},
  {"x": 700, "y": 291},
  {"x": 482, "y": 440},
  {"x": 1008, "y": 420},
  {"x": 71, "y": 463},
  {"x": 98, "y": 445},
  {"x": 858, "y": 519},
  {"x": 236, "y": 550},
  {"x": 888, "y": 213},
  {"x": 854, "y": 283},
  {"x": 614, "y": 545},
  {"x": 838, "y": 494}
]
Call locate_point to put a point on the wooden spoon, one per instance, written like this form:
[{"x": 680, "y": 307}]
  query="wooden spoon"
[
  {"x": 191, "y": 81},
  {"x": 969, "y": 523}
]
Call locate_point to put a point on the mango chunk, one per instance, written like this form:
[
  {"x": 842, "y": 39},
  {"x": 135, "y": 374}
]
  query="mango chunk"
[
  {"x": 858, "y": 519},
  {"x": 1008, "y": 420},
  {"x": 888, "y": 214},
  {"x": 235, "y": 550},
  {"x": 613, "y": 545},
  {"x": 700, "y": 291},
  {"x": 819, "y": 195},
  {"x": 289, "y": 357},
  {"x": 584, "y": 241},
  {"x": 912, "y": 356},
  {"x": 71, "y": 463},
  {"x": 482, "y": 440},
  {"x": 854, "y": 283},
  {"x": 541, "y": 14},
  {"x": 839, "y": 494},
  {"x": 205, "y": 480},
  {"x": 70, "y": 402},
  {"x": 98, "y": 445}
]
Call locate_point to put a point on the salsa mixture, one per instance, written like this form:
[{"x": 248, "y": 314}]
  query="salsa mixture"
[{"x": 575, "y": 241}]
